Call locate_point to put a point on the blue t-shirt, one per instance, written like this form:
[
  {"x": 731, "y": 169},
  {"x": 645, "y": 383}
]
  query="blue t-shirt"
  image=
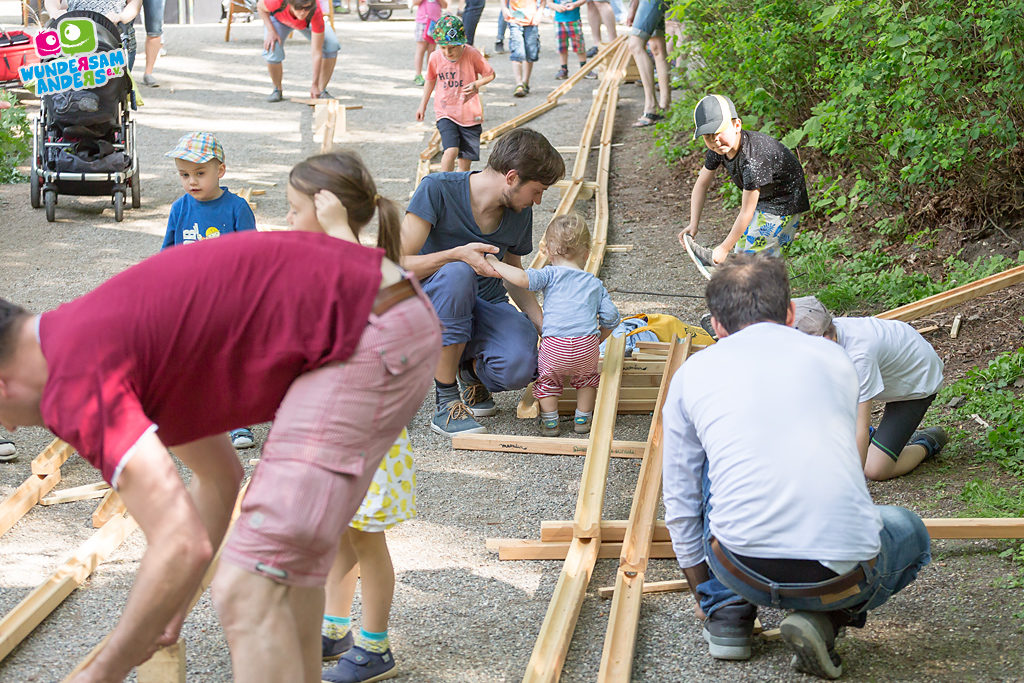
[
  {"x": 442, "y": 199},
  {"x": 571, "y": 15},
  {"x": 574, "y": 300},
  {"x": 192, "y": 220}
]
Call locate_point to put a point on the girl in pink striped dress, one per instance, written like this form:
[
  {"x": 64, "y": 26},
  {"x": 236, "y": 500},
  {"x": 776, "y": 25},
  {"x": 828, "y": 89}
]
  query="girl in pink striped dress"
[{"x": 578, "y": 315}]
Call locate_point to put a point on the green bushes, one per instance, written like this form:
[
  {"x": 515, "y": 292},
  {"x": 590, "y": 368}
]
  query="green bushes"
[
  {"x": 15, "y": 138},
  {"x": 913, "y": 100}
]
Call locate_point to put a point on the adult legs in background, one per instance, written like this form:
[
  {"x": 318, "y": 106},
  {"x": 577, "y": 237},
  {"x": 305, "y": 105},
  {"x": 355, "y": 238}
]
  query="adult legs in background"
[
  {"x": 471, "y": 17},
  {"x": 153, "y": 16}
]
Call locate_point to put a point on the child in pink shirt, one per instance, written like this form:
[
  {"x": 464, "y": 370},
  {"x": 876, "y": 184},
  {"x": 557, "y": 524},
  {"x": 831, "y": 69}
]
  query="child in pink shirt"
[
  {"x": 459, "y": 70},
  {"x": 427, "y": 14}
]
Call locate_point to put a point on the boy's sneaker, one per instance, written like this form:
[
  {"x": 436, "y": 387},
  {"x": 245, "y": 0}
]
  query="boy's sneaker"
[
  {"x": 332, "y": 648},
  {"x": 932, "y": 438},
  {"x": 703, "y": 254},
  {"x": 455, "y": 418},
  {"x": 548, "y": 427},
  {"x": 812, "y": 638},
  {"x": 729, "y": 631},
  {"x": 590, "y": 76},
  {"x": 275, "y": 96},
  {"x": 499, "y": 47},
  {"x": 581, "y": 424},
  {"x": 562, "y": 74},
  {"x": 7, "y": 451},
  {"x": 242, "y": 438},
  {"x": 475, "y": 395},
  {"x": 520, "y": 91},
  {"x": 418, "y": 80},
  {"x": 361, "y": 666},
  {"x": 591, "y": 52}
]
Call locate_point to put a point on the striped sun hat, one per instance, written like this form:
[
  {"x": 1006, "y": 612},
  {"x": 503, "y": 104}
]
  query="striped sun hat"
[
  {"x": 712, "y": 115},
  {"x": 197, "y": 148}
]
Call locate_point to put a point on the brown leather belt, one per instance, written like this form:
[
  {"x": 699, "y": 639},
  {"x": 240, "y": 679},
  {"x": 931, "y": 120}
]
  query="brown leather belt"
[
  {"x": 829, "y": 591},
  {"x": 391, "y": 295}
]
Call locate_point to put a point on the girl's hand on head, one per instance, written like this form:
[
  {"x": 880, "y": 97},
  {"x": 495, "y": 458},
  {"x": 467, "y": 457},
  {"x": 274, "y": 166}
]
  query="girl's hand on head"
[{"x": 329, "y": 210}]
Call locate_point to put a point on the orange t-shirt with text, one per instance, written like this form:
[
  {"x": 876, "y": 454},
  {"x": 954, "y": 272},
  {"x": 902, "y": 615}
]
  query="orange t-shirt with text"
[{"x": 451, "y": 77}]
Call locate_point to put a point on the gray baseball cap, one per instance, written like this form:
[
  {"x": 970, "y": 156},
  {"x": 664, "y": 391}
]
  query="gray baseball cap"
[
  {"x": 712, "y": 115},
  {"x": 811, "y": 316}
]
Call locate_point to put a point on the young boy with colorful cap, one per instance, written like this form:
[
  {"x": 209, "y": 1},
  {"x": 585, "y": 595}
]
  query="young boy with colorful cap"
[
  {"x": 206, "y": 210},
  {"x": 458, "y": 71},
  {"x": 765, "y": 170}
]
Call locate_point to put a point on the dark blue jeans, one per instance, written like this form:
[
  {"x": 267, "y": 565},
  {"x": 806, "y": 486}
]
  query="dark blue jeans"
[
  {"x": 905, "y": 550},
  {"x": 471, "y": 12}
]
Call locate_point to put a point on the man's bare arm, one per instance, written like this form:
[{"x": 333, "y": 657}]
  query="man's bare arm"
[{"x": 414, "y": 234}]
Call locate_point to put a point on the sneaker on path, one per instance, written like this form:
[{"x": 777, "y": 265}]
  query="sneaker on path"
[
  {"x": 455, "y": 418},
  {"x": 418, "y": 80},
  {"x": 475, "y": 395},
  {"x": 590, "y": 75},
  {"x": 147, "y": 79},
  {"x": 7, "y": 451},
  {"x": 242, "y": 438},
  {"x": 361, "y": 666},
  {"x": 275, "y": 96},
  {"x": 332, "y": 648},
  {"x": 932, "y": 438},
  {"x": 520, "y": 91},
  {"x": 812, "y": 638},
  {"x": 499, "y": 47},
  {"x": 591, "y": 52},
  {"x": 324, "y": 95},
  {"x": 729, "y": 631},
  {"x": 562, "y": 74}
]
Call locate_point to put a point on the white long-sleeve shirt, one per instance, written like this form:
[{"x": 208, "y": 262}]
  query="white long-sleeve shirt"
[{"x": 773, "y": 411}]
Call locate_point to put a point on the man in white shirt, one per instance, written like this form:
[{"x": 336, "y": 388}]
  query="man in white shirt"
[
  {"x": 894, "y": 364},
  {"x": 763, "y": 511}
]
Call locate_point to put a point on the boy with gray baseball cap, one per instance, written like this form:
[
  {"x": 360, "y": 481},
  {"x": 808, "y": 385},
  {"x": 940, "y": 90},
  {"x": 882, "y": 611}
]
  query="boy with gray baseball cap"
[{"x": 765, "y": 170}]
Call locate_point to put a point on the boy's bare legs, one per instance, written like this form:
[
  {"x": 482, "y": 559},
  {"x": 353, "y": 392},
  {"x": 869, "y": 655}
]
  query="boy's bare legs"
[
  {"x": 257, "y": 613},
  {"x": 327, "y": 70},
  {"x": 465, "y": 164},
  {"x": 879, "y": 466},
  {"x": 527, "y": 70},
  {"x": 586, "y": 397},
  {"x": 448, "y": 159},
  {"x": 276, "y": 74},
  {"x": 517, "y": 74},
  {"x": 660, "y": 52}
]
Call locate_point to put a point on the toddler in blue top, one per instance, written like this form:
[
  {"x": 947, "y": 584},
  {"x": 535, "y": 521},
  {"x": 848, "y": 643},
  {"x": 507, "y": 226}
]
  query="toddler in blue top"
[
  {"x": 206, "y": 210},
  {"x": 578, "y": 315}
]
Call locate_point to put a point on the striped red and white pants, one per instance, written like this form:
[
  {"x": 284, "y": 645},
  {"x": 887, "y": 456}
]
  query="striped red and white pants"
[{"x": 574, "y": 358}]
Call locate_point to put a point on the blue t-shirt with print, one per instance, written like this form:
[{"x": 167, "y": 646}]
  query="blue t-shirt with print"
[
  {"x": 574, "y": 301},
  {"x": 442, "y": 199},
  {"x": 571, "y": 15},
  {"x": 192, "y": 220}
]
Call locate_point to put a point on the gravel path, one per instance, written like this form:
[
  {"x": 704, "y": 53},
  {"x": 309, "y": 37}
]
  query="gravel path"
[{"x": 459, "y": 613}]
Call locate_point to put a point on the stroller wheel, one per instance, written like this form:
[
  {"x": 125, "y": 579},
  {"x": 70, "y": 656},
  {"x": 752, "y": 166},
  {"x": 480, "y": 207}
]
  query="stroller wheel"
[
  {"x": 136, "y": 190},
  {"x": 34, "y": 187},
  {"x": 118, "y": 206},
  {"x": 50, "y": 201}
]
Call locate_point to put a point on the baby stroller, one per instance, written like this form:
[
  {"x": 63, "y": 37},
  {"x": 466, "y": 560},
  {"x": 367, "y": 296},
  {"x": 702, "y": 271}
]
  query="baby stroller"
[{"x": 83, "y": 141}]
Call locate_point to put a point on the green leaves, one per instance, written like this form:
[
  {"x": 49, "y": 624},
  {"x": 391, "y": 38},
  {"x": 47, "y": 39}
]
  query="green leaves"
[{"x": 15, "y": 138}]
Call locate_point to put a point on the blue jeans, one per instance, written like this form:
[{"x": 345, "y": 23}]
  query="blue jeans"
[
  {"x": 276, "y": 56},
  {"x": 501, "y": 339},
  {"x": 650, "y": 19},
  {"x": 905, "y": 549},
  {"x": 153, "y": 16},
  {"x": 523, "y": 43},
  {"x": 502, "y": 27},
  {"x": 471, "y": 12}
]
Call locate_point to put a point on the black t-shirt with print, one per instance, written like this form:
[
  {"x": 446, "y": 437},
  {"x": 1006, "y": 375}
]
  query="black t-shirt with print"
[{"x": 763, "y": 163}]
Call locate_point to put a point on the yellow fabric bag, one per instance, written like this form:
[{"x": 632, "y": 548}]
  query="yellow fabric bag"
[{"x": 664, "y": 326}]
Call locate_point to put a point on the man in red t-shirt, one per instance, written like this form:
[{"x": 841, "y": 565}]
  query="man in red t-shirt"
[
  {"x": 320, "y": 334},
  {"x": 280, "y": 18}
]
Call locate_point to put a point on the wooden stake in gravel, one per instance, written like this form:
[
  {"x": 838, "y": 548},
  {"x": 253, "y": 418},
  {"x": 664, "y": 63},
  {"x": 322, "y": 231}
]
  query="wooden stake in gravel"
[{"x": 45, "y": 475}]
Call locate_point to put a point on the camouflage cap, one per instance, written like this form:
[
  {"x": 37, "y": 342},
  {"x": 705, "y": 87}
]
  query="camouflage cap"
[{"x": 449, "y": 31}]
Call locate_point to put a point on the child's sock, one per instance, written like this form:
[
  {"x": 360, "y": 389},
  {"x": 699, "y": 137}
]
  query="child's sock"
[
  {"x": 373, "y": 642},
  {"x": 553, "y": 415},
  {"x": 583, "y": 63},
  {"x": 335, "y": 628},
  {"x": 446, "y": 393},
  {"x": 580, "y": 413}
]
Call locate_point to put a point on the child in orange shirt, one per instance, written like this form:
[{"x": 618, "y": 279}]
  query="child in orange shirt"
[{"x": 459, "y": 71}]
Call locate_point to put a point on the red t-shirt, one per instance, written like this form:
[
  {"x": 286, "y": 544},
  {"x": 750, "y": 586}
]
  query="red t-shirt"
[
  {"x": 285, "y": 16},
  {"x": 201, "y": 339}
]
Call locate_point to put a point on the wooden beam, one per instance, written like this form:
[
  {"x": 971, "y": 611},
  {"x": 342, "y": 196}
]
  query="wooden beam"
[
  {"x": 517, "y": 121},
  {"x": 167, "y": 665},
  {"x": 529, "y": 549},
  {"x": 108, "y": 508},
  {"x": 604, "y": 52},
  {"x": 959, "y": 295},
  {"x": 35, "y": 607},
  {"x": 552, "y": 644},
  {"x": 543, "y": 445},
  {"x": 673, "y": 586},
  {"x": 25, "y": 497},
  {"x": 76, "y": 493},
  {"x": 595, "y": 467},
  {"x": 52, "y": 457}
]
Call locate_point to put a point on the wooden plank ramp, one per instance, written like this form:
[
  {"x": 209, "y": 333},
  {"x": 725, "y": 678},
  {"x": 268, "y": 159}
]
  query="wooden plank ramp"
[{"x": 953, "y": 297}]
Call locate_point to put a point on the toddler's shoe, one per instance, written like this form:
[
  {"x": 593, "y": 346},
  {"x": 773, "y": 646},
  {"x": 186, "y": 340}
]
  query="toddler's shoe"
[
  {"x": 562, "y": 74},
  {"x": 242, "y": 438},
  {"x": 581, "y": 424},
  {"x": 418, "y": 80},
  {"x": 361, "y": 666},
  {"x": 332, "y": 648},
  {"x": 548, "y": 427}
]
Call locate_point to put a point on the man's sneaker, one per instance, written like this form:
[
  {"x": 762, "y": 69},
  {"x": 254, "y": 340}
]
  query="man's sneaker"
[
  {"x": 729, "y": 631},
  {"x": 581, "y": 424},
  {"x": 7, "y": 451},
  {"x": 548, "y": 427},
  {"x": 324, "y": 95},
  {"x": 562, "y": 74},
  {"x": 242, "y": 438},
  {"x": 418, "y": 80},
  {"x": 275, "y": 96},
  {"x": 455, "y": 418},
  {"x": 932, "y": 438},
  {"x": 703, "y": 254},
  {"x": 361, "y": 666},
  {"x": 332, "y": 648},
  {"x": 148, "y": 80},
  {"x": 705, "y": 324},
  {"x": 812, "y": 638},
  {"x": 591, "y": 52},
  {"x": 475, "y": 395},
  {"x": 499, "y": 47}
]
